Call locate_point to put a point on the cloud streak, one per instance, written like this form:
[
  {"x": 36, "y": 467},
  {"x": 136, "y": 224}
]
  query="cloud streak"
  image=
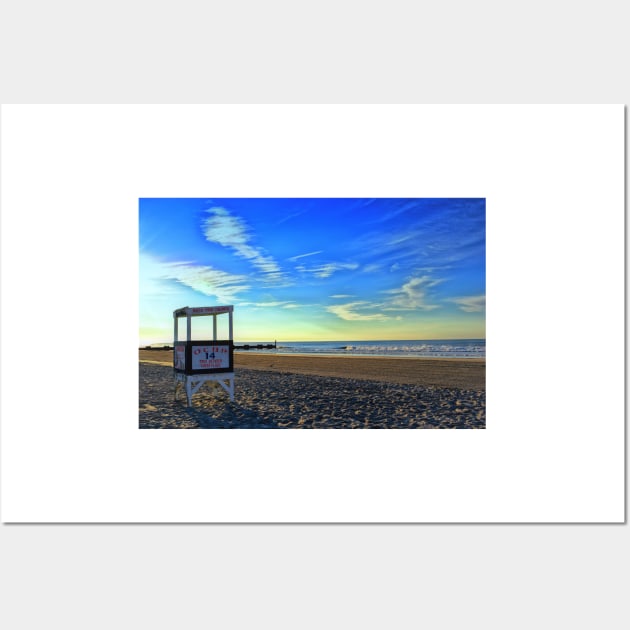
[
  {"x": 348, "y": 312},
  {"x": 429, "y": 233},
  {"x": 327, "y": 270},
  {"x": 412, "y": 295},
  {"x": 207, "y": 280},
  {"x": 284, "y": 304},
  {"x": 225, "y": 229},
  {"x": 294, "y": 258},
  {"x": 471, "y": 304}
]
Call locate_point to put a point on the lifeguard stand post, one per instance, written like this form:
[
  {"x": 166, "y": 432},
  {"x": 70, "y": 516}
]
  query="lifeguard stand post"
[{"x": 197, "y": 362}]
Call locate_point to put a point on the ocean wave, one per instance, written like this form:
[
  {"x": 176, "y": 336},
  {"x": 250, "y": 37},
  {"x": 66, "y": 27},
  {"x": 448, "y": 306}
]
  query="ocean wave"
[{"x": 471, "y": 349}]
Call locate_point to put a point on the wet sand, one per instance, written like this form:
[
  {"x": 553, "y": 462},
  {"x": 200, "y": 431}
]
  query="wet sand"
[{"x": 461, "y": 373}]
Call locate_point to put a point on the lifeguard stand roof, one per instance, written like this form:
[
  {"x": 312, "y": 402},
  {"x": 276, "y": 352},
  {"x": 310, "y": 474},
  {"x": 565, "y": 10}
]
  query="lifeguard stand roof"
[{"x": 196, "y": 311}]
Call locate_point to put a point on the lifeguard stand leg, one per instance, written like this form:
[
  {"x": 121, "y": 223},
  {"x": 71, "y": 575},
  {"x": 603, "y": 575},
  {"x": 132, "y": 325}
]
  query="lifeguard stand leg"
[
  {"x": 229, "y": 387},
  {"x": 189, "y": 391}
]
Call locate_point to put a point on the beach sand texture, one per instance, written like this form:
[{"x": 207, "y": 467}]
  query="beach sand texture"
[{"x": 290, "y": 391}]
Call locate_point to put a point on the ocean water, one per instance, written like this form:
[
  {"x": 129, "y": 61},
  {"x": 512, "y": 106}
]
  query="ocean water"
[{"x": 455, "y": 348}]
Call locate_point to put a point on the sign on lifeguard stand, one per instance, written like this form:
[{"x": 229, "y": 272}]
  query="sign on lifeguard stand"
[{"x": 199, "y": 362}]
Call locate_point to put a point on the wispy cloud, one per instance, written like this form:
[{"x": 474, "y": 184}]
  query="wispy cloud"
[
  {"x": 471, "y": 304},
  {"x": 271, "y": 304},
  {"x": 364, "y": 203},
  {"x": 207, "y": 280},
  {"x": 155, "y": 278},
  {"x": 442, "y": 244},
  {"x": 228, "y": 230},
  {"x": 412, "y": 295},
  {"x": 371, "y": 268},
  {"x": 349, "y": 312},
  {"x": 398, "y": 207},
  {"x": 291, "y": 216},
  {"x": 327, "y": 270},
  {"x": 433, "y": 234},
  {"x": 294, "y": 258}
]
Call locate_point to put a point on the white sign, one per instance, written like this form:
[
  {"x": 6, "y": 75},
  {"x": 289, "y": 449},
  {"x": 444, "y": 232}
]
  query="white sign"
[
  {"x": 210, "y": 310},
  {"x": 180, "y": 357},
  {"x": 210, "y": 357}
]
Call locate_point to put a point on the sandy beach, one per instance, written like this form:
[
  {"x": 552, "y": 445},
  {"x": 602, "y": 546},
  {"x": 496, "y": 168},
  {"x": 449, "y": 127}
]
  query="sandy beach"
[{"x": 299, "y": 391}]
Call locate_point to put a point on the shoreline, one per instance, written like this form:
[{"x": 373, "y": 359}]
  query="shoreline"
[{"x": 353, "y": 356}]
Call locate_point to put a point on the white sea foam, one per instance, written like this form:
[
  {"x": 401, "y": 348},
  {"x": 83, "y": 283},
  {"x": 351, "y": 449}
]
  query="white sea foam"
[{"x": 458, "y": 348}]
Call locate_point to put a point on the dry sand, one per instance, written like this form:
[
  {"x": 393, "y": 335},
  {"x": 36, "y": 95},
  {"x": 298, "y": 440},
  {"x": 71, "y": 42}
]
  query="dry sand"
[{"x": 291, "y": 391}]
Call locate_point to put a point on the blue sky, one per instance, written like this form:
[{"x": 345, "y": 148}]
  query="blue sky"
[{"x": 316, "y": 269}]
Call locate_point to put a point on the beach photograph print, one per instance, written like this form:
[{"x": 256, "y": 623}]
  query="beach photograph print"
[{"x": 312, "y": 313}]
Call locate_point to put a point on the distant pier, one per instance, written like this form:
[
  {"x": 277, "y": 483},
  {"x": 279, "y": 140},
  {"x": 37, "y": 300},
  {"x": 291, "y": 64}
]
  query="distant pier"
[
  {"x": 257, "y": 346},
  {"x": 247, "y": 346}
]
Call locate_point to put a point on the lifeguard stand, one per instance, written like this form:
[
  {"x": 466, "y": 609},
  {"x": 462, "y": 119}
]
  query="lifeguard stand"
[{"x": 197, "y": 362}]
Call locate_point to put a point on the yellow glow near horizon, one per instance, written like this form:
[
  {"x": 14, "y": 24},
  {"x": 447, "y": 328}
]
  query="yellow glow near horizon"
[{"x": 271, "y": 326}]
